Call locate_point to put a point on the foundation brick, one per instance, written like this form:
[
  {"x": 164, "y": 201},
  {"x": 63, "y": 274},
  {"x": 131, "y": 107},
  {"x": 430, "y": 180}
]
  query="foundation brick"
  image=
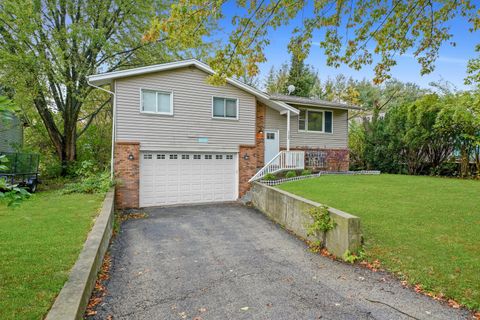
[{"x": 127, "y": 175}]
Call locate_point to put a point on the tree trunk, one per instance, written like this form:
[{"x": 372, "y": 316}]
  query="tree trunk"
[
  {"x": 465, "y": 161},
  {"x": 477, "y": 161},
  {"x": 65, "y": 143},
  {"x": 69, "y": 154}
]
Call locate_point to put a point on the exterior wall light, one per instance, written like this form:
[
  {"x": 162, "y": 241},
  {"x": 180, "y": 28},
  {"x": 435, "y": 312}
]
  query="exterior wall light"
[
  {"x": 260, "y": 134},
  {"x": 246, "y": 156},
  {"x": 131, "y": 157}
]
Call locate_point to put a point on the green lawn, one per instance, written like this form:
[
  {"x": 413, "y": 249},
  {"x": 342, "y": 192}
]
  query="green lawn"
[
  {"x": 39, "y": 242},
  {"x": 425, "y": 229}
]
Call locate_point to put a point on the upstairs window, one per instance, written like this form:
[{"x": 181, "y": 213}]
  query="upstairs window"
[
  {"x": 159, "y": 102},
  {"x": 225, "y": 108},
  {"x": 315, "y": 121}
]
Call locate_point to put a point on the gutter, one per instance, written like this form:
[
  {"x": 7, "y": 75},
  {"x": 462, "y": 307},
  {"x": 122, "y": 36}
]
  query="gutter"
[{"x": 113, "y": 121}]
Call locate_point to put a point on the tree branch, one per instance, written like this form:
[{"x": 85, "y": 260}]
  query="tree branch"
[{"x": 91, "y": 117}]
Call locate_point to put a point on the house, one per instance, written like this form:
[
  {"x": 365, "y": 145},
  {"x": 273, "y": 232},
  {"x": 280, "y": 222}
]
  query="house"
[
  {"x": 366, "y": 116},
  {"x": 11, "y": 133},
  {"x": 178, "y": 139}
]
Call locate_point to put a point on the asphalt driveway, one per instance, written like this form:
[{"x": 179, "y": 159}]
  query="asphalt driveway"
[{"x": 227, "y": 261}]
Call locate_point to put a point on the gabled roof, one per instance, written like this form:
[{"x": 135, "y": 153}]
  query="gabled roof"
[
  {"x": 304, "y": 101},
  {"x": 108, "y": 77}
]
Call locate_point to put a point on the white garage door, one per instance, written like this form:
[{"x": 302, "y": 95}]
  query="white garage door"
[{"x": 175, "y": 178}]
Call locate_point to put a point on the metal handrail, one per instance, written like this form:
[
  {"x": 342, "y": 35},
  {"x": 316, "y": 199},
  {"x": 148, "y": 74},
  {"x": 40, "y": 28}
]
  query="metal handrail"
[{"x": 284, "y": 160}]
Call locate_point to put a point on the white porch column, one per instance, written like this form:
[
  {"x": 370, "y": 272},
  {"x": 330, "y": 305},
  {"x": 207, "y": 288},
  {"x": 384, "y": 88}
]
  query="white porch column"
[{"x": 288, "y": 130}]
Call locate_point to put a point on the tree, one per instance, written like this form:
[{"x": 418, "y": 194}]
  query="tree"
[
  {"x": 356, "y": 145},
  {"x": 460, "y": 118},
  {"x": 339, "y": 89},
  {"x": 355, "y": 33},
  {"x": 277, "y": 80},
  {"x": 301, "y": 76},
  {"x": 48, "y": 47}
]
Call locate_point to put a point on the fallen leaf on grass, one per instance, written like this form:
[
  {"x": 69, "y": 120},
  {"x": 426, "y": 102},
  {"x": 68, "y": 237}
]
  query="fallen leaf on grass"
[
  {"x": 418, "y": 288},
  {"x": 454, "y": 304}
]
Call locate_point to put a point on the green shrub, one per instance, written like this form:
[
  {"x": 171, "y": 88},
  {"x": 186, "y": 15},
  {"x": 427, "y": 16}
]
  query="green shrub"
[
  {"x": 93, "y": 183},
  {"x": 11, "y": 195},
  {"x": 291, "y": 174},
  {"x": 269, "y": 177},
  {"x": 306, "y": 172},
  {"x": 88, "y": 180},
  {"x": 322, "y": 221},
  {"x": 352, "y": 257}
]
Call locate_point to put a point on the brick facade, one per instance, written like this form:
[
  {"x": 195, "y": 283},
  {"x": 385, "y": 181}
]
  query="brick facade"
[
  {"x": 127, "y": 175},
  {"x": 326, "y": 159},
  {"x": 256, "y": 160},
  {"x": 247, "y": 168},
  {"x": 338, "y": 159},
  {"x": 259, "y": 134}
]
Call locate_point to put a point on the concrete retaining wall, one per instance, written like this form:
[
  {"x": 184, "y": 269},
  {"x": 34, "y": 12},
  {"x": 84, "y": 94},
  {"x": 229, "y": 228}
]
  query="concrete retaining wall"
[
  {"x": 290, "y": 211},
  {"x": 73, "y": 298}
]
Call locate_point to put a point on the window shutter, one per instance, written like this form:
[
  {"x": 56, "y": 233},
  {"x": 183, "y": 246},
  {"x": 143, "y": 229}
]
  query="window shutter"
[{"x": 328, "y": 121}]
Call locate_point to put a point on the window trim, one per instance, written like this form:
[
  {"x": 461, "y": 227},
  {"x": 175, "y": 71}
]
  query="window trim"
[
  {"x": 306, "y": 120},
  {"x": 170, "y": 92},
  {"x": 224, "y": 108}
]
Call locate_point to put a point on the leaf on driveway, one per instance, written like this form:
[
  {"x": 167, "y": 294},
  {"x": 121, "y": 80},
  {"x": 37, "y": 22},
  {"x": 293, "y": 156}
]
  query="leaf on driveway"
[
  {"x": 244, "y": 308},
  {"x": 202, "y": 309}
]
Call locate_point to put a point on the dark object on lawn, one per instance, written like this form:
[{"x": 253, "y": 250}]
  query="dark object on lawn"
[{"x": 22, "y": 170}]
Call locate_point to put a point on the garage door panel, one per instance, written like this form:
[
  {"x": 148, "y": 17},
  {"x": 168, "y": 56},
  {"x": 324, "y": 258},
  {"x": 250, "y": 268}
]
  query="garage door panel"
[{"x": 184, "y": 177}]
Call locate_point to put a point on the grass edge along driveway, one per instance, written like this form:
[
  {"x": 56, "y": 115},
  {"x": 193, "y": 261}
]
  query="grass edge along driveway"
[
  {"x": 424, "y": 229},
  {"x": 40, "y": 241}
]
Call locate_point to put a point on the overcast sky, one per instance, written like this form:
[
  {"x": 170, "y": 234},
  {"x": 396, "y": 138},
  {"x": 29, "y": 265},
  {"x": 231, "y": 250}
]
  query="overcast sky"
[{"x": 451, "y": 66}]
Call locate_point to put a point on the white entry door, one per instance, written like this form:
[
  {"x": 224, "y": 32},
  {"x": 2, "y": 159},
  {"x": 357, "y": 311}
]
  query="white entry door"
[
  {"x": 272, "y": 144},
  {"x": 168, "y": 178}
]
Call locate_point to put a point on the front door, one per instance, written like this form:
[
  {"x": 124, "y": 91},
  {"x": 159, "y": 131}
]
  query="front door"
[{"x": 272, "y": 144}]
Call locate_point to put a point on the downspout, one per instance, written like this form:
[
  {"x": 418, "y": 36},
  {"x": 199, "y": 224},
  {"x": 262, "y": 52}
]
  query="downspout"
[
  {"x": 288, "y": 130},
  {"x": 113, "y": 122}
]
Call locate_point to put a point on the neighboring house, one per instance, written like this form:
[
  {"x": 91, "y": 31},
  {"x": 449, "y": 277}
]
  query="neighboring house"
[
  {"x": 366, "y": 116},
  {"x": 11, "y": 134},
  {"x": 178, "y": 139}
]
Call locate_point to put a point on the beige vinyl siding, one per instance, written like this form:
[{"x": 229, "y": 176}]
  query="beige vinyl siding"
[
  {"x": 338, "y": 139},
  {"x": 192, "y": 113},
  {"x": 11, "y": 134}
]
